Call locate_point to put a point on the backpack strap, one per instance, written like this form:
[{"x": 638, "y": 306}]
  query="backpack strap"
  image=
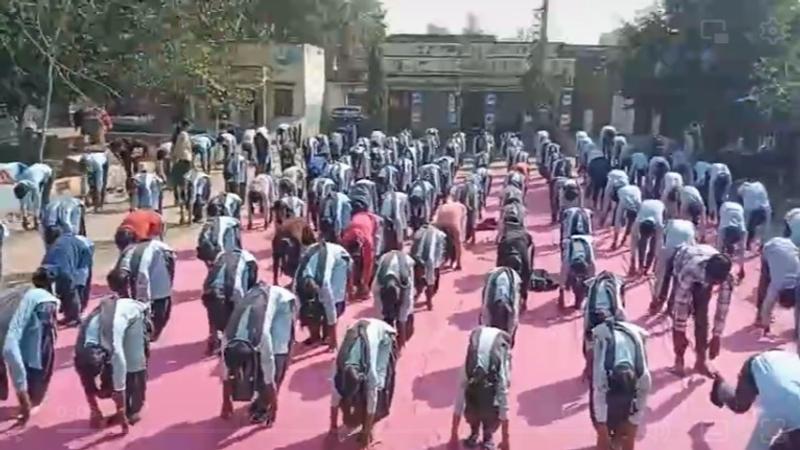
[
  {"x": 600, "y": 282},
  {"x": 258, "y": 313},
  {"x": 322, "y": 257},
  {"x": 231, "y": 261},
  {"x": 493, "y": 284},
  {"x": 356, "y": 335},
  {"x": 402, "y": 268},
  {"x": 472, "y": 352},
  {"x": 611, "y": 349},
  {"x": 256, "y": 302},
  {"x": 106, "y": 312},
  {"x": 135, "y": 264}
]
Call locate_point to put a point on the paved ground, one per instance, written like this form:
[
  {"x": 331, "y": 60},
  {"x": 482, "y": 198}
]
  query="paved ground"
[{"x": 549, "y": 403}]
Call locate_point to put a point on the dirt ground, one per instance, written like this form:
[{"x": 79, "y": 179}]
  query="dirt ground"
[{"x": 23, "y": 250}]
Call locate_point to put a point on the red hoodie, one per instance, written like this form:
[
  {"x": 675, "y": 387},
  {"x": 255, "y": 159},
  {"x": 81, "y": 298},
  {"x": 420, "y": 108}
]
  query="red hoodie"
[{"x": 362, "y": 229}]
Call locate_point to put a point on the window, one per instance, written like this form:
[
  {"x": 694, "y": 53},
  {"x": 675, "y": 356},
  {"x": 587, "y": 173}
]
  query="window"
[
  {"x": 354, "y": 99},
  {"x": 284, "y": 102}
]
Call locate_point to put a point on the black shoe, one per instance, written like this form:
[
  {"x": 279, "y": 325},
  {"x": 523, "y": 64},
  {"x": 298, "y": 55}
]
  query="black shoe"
[{"x": 471, "y": 441}]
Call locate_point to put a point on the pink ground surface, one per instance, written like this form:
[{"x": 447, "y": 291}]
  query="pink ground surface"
[{"x": 549, "y": 401}]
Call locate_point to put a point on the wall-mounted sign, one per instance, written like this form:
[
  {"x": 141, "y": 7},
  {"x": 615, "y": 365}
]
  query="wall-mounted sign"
[
  {"x": 416, "y": 116},
  {"x": 416, "y": 98},
  {"x": 491, "y": 99},
  {"x": 489, "y": 120}
]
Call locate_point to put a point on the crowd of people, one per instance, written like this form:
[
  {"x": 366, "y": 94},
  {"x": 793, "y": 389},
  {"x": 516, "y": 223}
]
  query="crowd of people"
[{"x": 343, "y": 213}]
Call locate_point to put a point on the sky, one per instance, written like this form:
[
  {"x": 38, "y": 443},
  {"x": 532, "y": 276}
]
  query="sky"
[{"x": 572, "y": 21}]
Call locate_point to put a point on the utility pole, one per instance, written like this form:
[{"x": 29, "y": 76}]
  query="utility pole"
[{"x": 544, "y": 12}]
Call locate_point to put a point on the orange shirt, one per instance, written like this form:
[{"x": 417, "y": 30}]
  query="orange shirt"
[{"x": 145, "y": 224}]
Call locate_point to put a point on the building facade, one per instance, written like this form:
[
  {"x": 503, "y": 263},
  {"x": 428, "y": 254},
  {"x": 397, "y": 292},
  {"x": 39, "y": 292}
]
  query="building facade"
[
  {"x": 455, "y": 82},
  {"x": 460, "y": 82},
  {"x": 287, "y": 82}
]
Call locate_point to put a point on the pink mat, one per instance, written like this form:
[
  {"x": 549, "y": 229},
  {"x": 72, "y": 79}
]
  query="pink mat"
[{"x": 549, "y": 403}]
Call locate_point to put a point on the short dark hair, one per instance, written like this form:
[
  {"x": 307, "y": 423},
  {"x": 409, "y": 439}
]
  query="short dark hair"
[
  {"x": 118, "y": 280},
  {"x": 51, "y": 234},
  {"x": 20, "y": 190},
  {"x": 41, "y": 278},
  {"x": 718, "y": 268}
]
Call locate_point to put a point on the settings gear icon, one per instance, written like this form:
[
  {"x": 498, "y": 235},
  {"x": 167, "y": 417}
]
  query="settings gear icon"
[{"x": 773, "y": 31}]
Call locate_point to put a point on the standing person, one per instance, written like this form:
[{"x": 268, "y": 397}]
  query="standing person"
[
  {"x": 33, "y": 192},
  {"x": 483, "y": 389},
  {"x": 697, "y": 270},
  {"x": 364, "y": 377},
  {"x": 29, "y": 346},
  {"x": 620, "y": 385},
  {"x": 68, "y": 263},
  {"x": 113, "y": 346},
  {"x": 248, "y": 143},
  {"x": 780, "y": 269},
  {"x": 321, "y": 284},
  {"x": 393, "y": 293},
  {"x": 772, "y": 378},
  {"x": 147, "y": 271},
  {"x": 757, "y": 211},
  {"x": 647, "y": 235},
  {"x": 180, "y": 157},
  {"x": 257, "y": 343},
  {"x": 428, "y": 251},
  {"x": 95, "y": 177},
  {"x": 231, "y": 276},
  {"x": 732, "y": 233},
  {"x": 139, "y": 225},
  {"x": 678, "y": 232}
]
